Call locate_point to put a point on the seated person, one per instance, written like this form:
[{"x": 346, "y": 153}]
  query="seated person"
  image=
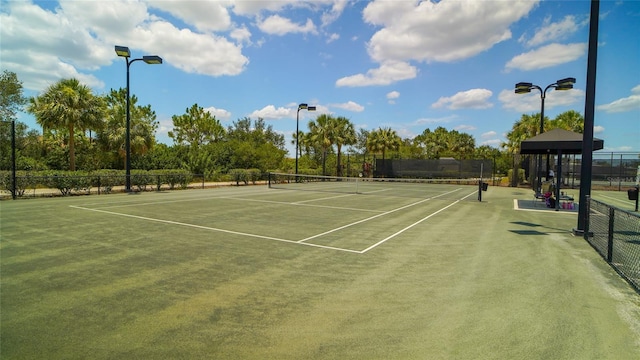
[{"x": 549, "y": 199}]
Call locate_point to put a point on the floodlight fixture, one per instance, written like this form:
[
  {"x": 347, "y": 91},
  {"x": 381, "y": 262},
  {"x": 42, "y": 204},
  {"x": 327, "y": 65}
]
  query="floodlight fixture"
[
  {"x": 301, "y": 106},
  {"x": 566, "y": 82},
  {"x": 152, "y": 59},
  {"x": 525, "y": 87},
  {"x": 123, "y": 51}
]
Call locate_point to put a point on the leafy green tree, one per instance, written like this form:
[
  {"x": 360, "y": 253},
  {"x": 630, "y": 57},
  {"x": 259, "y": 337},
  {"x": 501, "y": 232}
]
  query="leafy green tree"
[
  {"x": 112, "y": 135},
  {"x": 28, "y": 147},
  {"x": 434, "y": 142},
  {"x": 68, "y": 105},
  {"x": 461, "y": 145},
  {"x": 196, "y": 127},
  {"x": 255, "y": 145},
  {"x": 160, "y": 157},
  {"x": 11, "y": 96}
]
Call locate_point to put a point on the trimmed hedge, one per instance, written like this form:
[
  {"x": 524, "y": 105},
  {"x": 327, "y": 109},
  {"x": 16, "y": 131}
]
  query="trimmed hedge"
[{"x": 81, "y": 182}]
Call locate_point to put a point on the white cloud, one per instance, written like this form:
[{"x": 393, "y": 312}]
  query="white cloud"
[
  {"x": 464, "y": 128},
  {"x": 252, "y": 8},
  {"x": 278, "y": 25},
  {"x": 597, "y": 129},
  {"x": 393, "y": 95},
  {"x": 549, "y": 32},
  {"x": 241, "y": 35},
  {"x": 270, "y": 112},
  {"x": 332, "y": 15},
  {"x": 431, "y": 121},
  {"x": 531, "y": 103},
  {"x": 191, "y": 52},
  {"x": 547, "y": 56},
  {"x": 445, "y": 31},
  {"x": 350, "y": 106},
  {"x": 492, "y": 142},
  {"x": 470, "y": 99},
  {"x": 333, "y": 37},
  {"x": 629, "y": 103},
  {"x": 489, "y": 134},
  {"x": 387, "y": 73},
  {"x": 84, "y": 36},
  {"x": 220, "y": 114},
  {"x": 204, "y": 15}
]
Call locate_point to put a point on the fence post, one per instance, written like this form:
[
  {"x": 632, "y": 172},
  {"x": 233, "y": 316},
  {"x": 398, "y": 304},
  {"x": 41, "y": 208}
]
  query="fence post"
[
  {"x": 587, "y": 211},
  {"x": 610, "y": 235}
]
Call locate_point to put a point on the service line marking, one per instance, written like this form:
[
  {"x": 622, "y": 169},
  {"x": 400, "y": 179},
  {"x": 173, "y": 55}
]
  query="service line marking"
[
  {"x": 407, "y": 228},
  {"x": 372, "y": 217},
  {"x": 214, "y": 229}
]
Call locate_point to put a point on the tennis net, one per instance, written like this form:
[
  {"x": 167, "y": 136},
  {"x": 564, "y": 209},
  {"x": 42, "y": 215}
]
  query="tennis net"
[{"x": 417, "y": 188}]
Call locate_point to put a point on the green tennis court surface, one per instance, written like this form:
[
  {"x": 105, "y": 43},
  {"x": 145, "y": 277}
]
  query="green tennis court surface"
[{"x": 423, "y": 273}]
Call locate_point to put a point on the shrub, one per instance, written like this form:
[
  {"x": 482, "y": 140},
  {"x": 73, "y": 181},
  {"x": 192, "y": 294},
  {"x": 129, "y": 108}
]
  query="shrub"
[
  {"x": 140, "y": 179},
  {"x": 238, "y": 175},
  {"x": 67, "y": 181},
  {"x": 24, "y": 180},
  {"x": 254, "y": 175},
  {"x": 105, "y": 180}
]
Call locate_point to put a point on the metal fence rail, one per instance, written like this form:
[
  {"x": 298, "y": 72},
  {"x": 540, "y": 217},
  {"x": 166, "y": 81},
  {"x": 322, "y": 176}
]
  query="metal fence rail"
[{"x": 615, "y": 234}]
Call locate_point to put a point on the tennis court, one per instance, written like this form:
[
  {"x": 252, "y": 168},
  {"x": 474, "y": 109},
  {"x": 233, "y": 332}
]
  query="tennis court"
[{"x": 313, "y": 269}]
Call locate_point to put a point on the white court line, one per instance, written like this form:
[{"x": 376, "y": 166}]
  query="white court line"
[
  {"x": 299, "y": 242},
  {"x": 321, "y": 199},
  {"x": 213, "y": 229},
  {"x": 299, "y": 204},
  {"x": 373, "y": 217},
  {"x": 128, "y": 204},
  {"x": 407, "y": 228}
]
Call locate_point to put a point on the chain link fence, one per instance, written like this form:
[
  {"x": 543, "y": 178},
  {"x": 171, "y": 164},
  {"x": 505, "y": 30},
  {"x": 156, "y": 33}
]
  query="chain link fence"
[
  {"x": 615, "y": 234},
  {"x": 609, "y": 171}
]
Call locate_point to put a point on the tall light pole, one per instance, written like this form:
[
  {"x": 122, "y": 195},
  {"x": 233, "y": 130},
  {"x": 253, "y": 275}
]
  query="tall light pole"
[
  {"x": 124, "y": 52},
  {"x": 300, "y": 107},
  {"x": 525, "y": 87}
]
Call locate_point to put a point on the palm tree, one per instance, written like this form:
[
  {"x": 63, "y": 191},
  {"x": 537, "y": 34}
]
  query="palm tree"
[
  {"x": 143, "y": 125},
  {"x": 70, "y": 105},
  {"x": 383, "y": 139},
  {"x": 343, "y": 134},
  {"x": 569, "y": 120},
  {"x": 321, "y": 134}
]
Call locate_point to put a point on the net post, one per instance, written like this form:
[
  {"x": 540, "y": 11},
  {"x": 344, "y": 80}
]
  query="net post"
[
  {"x": 269, "y": 179},
  {"x": 480, "y": 182}
]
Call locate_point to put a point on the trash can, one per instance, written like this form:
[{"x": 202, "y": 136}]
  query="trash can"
[
  {"x": 633, "y": 194},
  {"x": 485, "y": 186}
]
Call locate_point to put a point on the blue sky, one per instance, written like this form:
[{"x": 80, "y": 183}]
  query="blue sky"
[{"x": 408, "y": 65}]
